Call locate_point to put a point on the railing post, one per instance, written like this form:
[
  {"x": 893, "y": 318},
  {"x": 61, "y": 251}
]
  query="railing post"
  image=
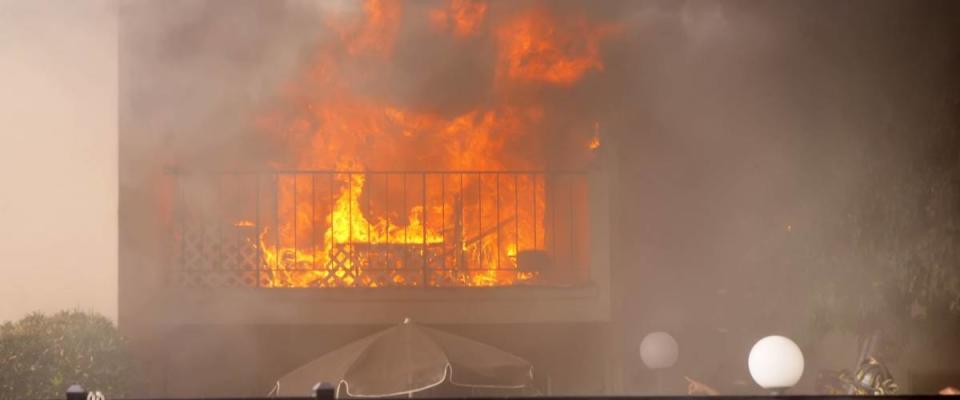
[
  {"x": 76, "y": 392},
  {"x": 324, "y": 391},
  {"x": 497, "y": 176},
  {"x": 256, "y": 232},
  {"x": 423, "y": 222},
  {"x": 276, "y": 231}
]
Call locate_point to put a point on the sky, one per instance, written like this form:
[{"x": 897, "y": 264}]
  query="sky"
[{"x": 58, "y": 156}]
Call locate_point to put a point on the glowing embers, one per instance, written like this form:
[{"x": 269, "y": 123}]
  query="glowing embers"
[{"x": 594, "y": 142}]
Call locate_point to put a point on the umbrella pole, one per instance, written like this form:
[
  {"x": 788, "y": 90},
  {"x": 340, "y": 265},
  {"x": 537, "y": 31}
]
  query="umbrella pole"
[{"x": 659, "y": 376}]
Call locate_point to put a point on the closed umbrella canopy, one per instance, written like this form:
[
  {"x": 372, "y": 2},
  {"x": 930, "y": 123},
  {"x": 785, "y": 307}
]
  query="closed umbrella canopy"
[{"x": 409, "y": 358}]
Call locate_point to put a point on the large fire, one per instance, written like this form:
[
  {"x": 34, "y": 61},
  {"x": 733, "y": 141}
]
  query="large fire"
[{"x": 460, "y": 206}]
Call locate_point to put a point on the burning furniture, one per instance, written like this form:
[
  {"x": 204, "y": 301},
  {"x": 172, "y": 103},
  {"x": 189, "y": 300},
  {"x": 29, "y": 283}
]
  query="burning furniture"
[{"x": 336, "y": 229}]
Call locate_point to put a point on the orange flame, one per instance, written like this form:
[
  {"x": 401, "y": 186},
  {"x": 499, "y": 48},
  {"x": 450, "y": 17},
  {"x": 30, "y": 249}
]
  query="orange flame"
[
  {"x": 357, "y": 233},
  {"x": 472, "y": 141},
  {"x": 462, "y": 17},
  {"x": 535, "y": 46},
  {"x": 595, "y": 139}
]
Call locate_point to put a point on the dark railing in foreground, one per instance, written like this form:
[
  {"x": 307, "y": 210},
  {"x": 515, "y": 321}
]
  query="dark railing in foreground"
[
  {"x": 327, "y": 393},
  {"x": 76, "y": 392},
  {"x": 751, "y": 397}
]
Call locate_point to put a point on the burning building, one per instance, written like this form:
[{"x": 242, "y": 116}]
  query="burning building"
[
  {"x": 556, "y": 179},
  {"x": 344, "y": 200}
]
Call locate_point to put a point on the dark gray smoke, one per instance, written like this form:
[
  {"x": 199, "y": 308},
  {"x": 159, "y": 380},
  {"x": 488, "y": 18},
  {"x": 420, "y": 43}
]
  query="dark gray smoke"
[{"x": 763, "y": 150}]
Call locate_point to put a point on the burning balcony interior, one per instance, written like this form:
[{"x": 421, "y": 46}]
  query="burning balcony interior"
[
  {"x": 367, "y": 191},
  {"x": 330, "y": 229}
]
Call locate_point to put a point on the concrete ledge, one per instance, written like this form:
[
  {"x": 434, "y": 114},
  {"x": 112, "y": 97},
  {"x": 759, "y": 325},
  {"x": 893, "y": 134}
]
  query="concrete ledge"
[{"x": 519, "y": 304}]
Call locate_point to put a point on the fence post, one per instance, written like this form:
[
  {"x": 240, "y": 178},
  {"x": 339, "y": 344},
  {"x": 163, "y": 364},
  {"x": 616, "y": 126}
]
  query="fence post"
[{"x": 76, "y": 392}]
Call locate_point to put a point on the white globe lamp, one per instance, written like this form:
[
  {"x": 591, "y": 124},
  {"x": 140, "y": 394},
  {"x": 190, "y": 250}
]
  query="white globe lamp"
[
  {"x": 659, "y": 350},
  {"x": 776, "y": 363}
]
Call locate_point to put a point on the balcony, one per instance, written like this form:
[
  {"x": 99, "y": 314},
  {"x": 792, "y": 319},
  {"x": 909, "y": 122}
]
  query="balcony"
[{"x": 343, "y": 229}]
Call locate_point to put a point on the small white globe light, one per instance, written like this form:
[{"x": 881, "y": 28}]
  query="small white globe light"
[
  {"x": 659, "y": 350},
  {"x": 775, "y": 363}
]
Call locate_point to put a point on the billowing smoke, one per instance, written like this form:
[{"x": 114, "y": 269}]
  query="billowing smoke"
[{"x": 744, "y": 137}]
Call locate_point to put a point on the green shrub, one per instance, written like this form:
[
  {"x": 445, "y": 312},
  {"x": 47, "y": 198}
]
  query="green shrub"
[{"x": 40, "y": 356}]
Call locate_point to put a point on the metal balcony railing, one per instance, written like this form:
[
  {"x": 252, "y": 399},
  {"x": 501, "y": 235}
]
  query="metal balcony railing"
[{"x": 368, "y": 229}]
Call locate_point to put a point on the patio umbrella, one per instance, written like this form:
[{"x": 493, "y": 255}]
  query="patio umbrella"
[{"x": 406, "y": 359}]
